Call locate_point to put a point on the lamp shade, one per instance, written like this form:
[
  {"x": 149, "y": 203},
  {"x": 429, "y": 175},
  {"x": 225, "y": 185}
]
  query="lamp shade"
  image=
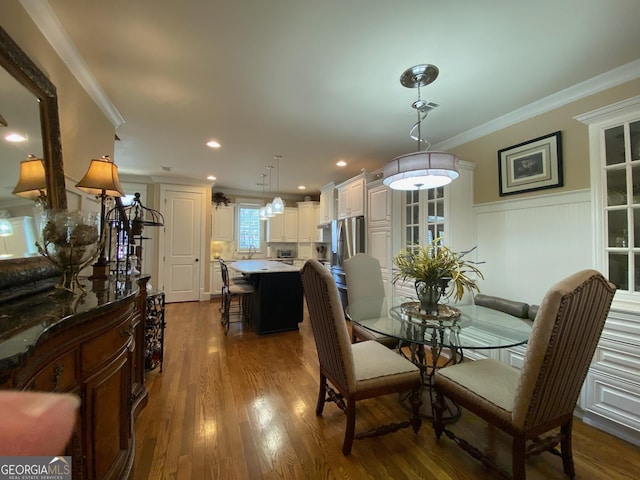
[
  {"x": 277, "y": 205},
  {"x": 101, "y": 179},
  {"x": 32, "y": 182},
  {"x": 421, "y": 171}
]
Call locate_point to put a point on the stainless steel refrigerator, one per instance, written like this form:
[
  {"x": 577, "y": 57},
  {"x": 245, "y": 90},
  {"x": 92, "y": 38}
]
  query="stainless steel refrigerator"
[{"x": 347, "y": 239}]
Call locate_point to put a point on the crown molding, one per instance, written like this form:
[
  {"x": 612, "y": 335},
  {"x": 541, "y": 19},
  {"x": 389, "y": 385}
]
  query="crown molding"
[
  {"x": 46, "y": 20},
  {"x": 599, "y": 83}
]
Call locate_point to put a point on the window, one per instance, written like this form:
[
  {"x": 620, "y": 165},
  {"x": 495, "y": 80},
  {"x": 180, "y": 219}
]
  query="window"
[
  {"x": 621, "y": 164},
  {"x": 420, "y": 229},
  {"x": 614, "y": 136},
  {"x": 249, "y": 227}
]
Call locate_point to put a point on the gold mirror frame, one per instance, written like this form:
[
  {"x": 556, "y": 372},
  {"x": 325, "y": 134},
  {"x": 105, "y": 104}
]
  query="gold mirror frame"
[
  {"x": 21, "y": 275},
  {"x": 22, "y": 68}
]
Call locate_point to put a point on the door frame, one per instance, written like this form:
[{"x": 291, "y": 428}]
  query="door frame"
[{"x": 205, "y": 233}]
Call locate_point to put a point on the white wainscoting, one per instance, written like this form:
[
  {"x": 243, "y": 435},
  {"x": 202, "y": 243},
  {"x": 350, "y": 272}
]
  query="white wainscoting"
[{"x": 529, "y": 244}]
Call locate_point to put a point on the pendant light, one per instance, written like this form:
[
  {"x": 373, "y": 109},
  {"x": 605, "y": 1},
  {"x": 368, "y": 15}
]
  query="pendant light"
[
  {"x": 277, "y": 204},
  {"x": 263, "y": 210},
  {"x": 423, "y": 169},
  {"x": 269, "y": 207}
]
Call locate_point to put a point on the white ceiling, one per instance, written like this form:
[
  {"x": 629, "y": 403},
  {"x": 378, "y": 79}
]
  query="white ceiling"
[{"x": 318, "y": 81}]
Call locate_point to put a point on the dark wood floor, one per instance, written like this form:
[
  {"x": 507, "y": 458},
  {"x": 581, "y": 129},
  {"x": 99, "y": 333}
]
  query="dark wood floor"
[{"x": 243, "y": 406}]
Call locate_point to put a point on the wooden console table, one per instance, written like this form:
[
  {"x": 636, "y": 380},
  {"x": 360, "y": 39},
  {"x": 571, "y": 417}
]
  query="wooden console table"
[
  {"x": 90, "y": 345},
  {"x": 154, "y": 330}
]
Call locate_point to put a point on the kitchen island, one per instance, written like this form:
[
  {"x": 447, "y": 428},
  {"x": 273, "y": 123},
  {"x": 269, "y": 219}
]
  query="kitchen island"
[{"x": 277, "y": 303}]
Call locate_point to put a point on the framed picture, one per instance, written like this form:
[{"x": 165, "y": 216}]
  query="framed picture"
[{"x": 532, "y": 165}]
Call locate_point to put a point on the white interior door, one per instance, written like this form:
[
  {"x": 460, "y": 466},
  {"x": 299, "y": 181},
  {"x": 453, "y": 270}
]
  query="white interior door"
[{"x": 182, "y": 249}]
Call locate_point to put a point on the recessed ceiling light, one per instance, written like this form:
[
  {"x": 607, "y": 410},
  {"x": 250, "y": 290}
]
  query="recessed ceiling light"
[
  {"x": 301, "y": 187},
  {"x": 211, "y": 177},
  {"x": 213, "y": 144},
  {"x": 15, "y": 137},
  {"x": 341, "y": 163}
]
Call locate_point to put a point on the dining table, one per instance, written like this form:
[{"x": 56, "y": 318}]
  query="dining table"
[{"x": 434, "y": 341}]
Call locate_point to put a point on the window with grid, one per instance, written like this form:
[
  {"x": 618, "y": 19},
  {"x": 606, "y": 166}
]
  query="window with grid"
[
  {"x": 621, "y": 203},
  {"x": 435, "y": 214},
  {"x": 411, "y": 219},
  {"x": 249, "y": 227}
]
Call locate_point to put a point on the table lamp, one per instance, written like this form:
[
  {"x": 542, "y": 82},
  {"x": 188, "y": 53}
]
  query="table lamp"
[
  {"x": 101, "y": 180},
  {"x": 32, "y": 183}
]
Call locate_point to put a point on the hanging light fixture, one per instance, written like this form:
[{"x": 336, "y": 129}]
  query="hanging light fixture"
[
  {"x": 423, "y": 169},
  {"x": 269, "y": 207},
  {"x": 263, "y": 210},
  {"x": 277, "y": 204}
]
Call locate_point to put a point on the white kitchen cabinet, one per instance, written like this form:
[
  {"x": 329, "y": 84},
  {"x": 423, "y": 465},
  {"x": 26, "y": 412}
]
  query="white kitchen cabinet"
[
  {"x": 284, "y": 227},
  {"x": 216, "y": 278},
  {"x": 351, "y": 201},
  {"x": 379, "y": 206},
  {"x": 223, "y": 223},
  {"x": 327, "y": 203},
  {"x": 308, "y": 221}
]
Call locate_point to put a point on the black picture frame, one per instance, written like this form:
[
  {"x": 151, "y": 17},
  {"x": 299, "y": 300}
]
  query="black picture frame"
[{"x": 532, "y": 165}]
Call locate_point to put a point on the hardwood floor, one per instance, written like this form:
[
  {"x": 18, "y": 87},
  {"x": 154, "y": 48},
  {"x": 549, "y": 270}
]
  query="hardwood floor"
[{"x": 243, "y": 406}]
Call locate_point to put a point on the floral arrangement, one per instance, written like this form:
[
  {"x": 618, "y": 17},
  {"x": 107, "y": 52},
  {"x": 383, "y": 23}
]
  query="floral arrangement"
[{"x": 435, "y": 264}]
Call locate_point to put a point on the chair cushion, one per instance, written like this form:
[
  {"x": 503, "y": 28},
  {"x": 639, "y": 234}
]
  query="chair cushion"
[
  {"x": 241, "y": 288},
  {"x": 470, "y": 381},
  {"x": 517, "y": 309},
  {"x": 376, "y": 366}
]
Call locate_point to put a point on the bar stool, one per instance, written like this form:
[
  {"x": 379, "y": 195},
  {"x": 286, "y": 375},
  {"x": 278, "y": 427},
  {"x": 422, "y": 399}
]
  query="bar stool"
[{"x": 239, "y": 288}]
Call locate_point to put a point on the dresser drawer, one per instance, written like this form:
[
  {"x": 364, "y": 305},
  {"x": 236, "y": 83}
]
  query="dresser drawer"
[
  {"x": 99, "y": 351},
  {"x": 58, "y": 376}
]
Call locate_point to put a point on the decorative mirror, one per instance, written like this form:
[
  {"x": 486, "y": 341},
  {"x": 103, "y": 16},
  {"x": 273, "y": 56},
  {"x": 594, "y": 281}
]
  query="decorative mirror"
[{"x": 32, "y": 81}]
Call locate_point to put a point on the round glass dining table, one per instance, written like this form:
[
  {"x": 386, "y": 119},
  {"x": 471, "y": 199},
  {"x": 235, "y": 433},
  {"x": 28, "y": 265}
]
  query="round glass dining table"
[{"x": 437, "y": 341}]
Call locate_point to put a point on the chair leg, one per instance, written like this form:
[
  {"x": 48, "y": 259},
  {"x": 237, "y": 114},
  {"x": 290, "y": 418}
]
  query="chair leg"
[
  {"x": 351, "y": 427},
  {"x": 565, "y": 446},
  {"x": 438, "y": 408},
  {"x": 322, "y": 395},
  {"x": 416, "y": 401},
  {"x": 518, "y": 457}
]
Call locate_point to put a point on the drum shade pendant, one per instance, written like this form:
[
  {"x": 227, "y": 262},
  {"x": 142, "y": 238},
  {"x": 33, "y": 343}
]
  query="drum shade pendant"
[{"x": 423, "y": 169}]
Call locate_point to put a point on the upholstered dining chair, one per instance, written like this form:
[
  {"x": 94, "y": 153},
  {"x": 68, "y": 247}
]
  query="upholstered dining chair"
[
  {"x": 355, "y": 371},
  {"x": 364, "y": 279},
  {"x": 542, "y": 396}
]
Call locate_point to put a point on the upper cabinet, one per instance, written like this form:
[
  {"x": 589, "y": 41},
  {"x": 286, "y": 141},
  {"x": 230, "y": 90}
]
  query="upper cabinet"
[
  {"x": 351, "y": 200},
  {"x": 308, "y": 221},
  {"x": 379, "y": 211},
  {"x": 223, "y": 223},
  {"x": 284, "y": 227},
  {"x": 327, "y": 203}
]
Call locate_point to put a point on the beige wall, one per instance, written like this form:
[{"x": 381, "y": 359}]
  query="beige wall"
[
  {"x": 86, "y": 132},
  {"x": 575, "y": 144}
]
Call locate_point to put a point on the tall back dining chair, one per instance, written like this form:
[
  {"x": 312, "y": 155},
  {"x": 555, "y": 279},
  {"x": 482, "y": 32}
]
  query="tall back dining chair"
[
  {"x": 543, "y": 395},
  {"x": 240, "y": 291},
  {"x": 355, "y": 372},
  {"x": 364, "y": 280}
]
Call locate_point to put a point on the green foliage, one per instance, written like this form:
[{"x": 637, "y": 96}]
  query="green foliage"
[{"x": 435, "y": 261}]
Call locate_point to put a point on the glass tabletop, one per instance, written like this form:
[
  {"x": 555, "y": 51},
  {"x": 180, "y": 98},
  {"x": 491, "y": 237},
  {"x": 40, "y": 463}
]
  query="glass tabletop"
[{"x": 460, "y": 326}]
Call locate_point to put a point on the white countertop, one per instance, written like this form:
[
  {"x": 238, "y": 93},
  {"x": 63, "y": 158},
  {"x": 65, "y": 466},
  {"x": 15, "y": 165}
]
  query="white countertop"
[{"x": 261, "y": 266}]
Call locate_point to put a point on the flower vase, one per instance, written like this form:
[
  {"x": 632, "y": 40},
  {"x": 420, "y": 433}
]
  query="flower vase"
[
  {"x": 70, "y": 240},
  {"x": 429, "y": 296}
]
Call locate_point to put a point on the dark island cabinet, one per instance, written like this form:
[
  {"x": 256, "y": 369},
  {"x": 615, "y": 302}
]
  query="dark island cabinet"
[{"x": 95, "y": 350}]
